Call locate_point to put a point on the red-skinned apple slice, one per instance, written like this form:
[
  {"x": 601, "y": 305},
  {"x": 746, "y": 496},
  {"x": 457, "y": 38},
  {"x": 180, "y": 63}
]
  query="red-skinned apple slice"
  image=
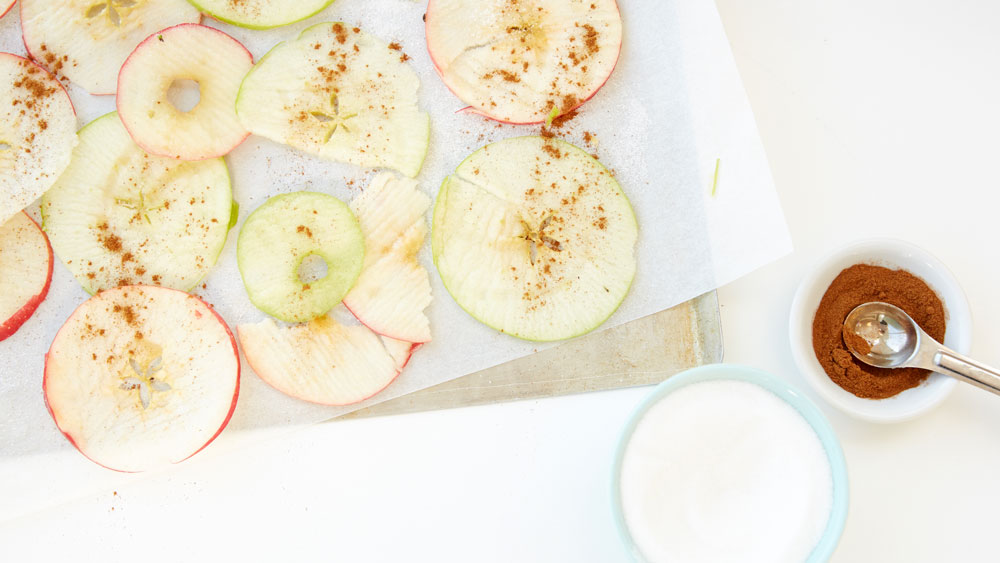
[
  {"x": 523, "y": 61},
  {"x": 207, "y": 56},
  {"x": 393, "y": 289},
  {"x": 37, "y": 132},
  {"x": 141, "y": 376},
  {"x": 400, "y": 350},
  {"x": 323, "y": 361},
  {"x": 88, "y": 40},
  {"x": 25, "y": 271},
  {"x": 6, "y": 8}
]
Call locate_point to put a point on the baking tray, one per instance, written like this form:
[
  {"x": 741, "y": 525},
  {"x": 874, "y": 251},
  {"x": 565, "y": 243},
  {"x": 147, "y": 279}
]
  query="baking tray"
[{"x": 642, "y": 352}]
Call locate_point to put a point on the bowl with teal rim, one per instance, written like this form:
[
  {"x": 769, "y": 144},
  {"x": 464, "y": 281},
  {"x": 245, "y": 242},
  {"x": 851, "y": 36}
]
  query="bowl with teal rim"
[{"x": 806, "y": 408}]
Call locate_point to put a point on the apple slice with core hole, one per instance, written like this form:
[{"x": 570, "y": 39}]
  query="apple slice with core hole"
[
  {"x": 299, "y": 254},
  {"x": 141, "y": 376},
  {"x": 88, "y": 40},
  {"x": 120, "y": 216},
  {"x": 261, "y": 14},
  {"x": 215, "y": 61},
  {"x": 344, "y": 95},
  {"x": 25, "y": 271},
  {"x": 37, "y": 133},
  {"x": 535, "y": 238},
  {"x": 323, "y": 361},
  {"x": 394, "y": 289},
  {"x": 524, "y": 61}
]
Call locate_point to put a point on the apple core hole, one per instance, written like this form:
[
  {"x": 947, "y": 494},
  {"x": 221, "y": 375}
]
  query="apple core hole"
[
  {"x": 312, "y": 269},
  {"x": 184, "y": 94},
  {"x": 4, "y": 146}
]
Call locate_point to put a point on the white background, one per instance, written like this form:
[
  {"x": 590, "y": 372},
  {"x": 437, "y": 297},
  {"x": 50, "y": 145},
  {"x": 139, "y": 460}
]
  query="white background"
[{"x": 880, "y": 118}]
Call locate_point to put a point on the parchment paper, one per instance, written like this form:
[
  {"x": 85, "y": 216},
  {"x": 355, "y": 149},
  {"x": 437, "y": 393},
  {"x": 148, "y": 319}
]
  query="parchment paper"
[{"x": 674, "y": 105}]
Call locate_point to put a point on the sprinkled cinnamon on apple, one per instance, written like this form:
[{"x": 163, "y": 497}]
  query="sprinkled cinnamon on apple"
[
  {"x": 571, "y": 53},
  {"x": 551, "y": 151},
  {"x": 340, "y": 33}
]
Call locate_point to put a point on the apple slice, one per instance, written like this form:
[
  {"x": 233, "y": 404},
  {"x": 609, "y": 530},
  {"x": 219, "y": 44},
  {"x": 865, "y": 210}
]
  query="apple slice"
[
  {"x": 141, "y": 376},
  {"x": 323, "y": 361},
  {"x": 391, "y": 294},
  {"x": 37, "y": 132},
  {"x": 261, "y": 14},
  {"x": 119, "y": 216},
  {"x": 285, "y": 245},
  {"x": 534, "y": 237},
  {"x": 344, "y": 95},
  {"x": 25, "y": 271},
  {"x": 6, "y": 6},
  {"x": 400, "y": 350},
  {"x": 207, "y": 56},
  {"x": 527, "y": 60},
  {"x": 88, "y": 40},
  {"x": 394, "y": 289}
]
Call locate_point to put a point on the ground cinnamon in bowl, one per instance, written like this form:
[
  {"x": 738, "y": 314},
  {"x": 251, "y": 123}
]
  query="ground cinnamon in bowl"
[{"x": 859, "y": 284}]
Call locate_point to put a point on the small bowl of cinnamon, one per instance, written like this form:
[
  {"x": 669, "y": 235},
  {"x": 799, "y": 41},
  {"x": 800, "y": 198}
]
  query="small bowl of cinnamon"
[{"x": 886, "y": 270}]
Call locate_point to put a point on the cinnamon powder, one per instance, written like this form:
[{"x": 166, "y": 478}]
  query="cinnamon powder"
[{"x": 859, "y": 284}]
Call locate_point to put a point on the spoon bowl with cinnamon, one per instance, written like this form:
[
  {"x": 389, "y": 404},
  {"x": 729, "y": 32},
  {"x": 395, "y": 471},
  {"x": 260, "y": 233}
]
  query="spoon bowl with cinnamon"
[{"x": 884, "y": 336}]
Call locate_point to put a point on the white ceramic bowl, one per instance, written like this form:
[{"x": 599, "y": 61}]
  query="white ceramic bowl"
[{"x": 893, "y": 254}]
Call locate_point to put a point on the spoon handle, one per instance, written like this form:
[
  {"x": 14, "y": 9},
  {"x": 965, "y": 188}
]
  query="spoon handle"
[{"x": 968, "y": 370}]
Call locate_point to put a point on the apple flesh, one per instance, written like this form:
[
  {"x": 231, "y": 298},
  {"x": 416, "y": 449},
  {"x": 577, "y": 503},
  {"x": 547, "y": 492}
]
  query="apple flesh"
[
  {"x": 214, "y": 60},
  {"x": 323, "y": 361},
  {"x": 5, "y": 7},
  {"x": 139, "y": 377},
  {"x": 37, "y": 133},
  {"x": 88, "y": 40},
  {"x": 535, "y": 238},
  {"x": 526, "y": 61},
  {"x": 278, "y": 238},
  {"x": 394, "y": 289},
  {"x": 26, "y": 266},
  {"x": 120, "y": 216},
  {"x": 261, "y": 14},
  {"x": 344, "y": 95}
]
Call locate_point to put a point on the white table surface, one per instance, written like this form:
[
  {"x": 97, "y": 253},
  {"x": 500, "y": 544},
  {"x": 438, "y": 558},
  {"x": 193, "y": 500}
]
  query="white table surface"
[{"x": 862, "y": 105}]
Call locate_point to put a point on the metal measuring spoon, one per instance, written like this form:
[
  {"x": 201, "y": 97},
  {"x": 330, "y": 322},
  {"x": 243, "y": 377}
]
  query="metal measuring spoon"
[{"x": 895, "y": 341}]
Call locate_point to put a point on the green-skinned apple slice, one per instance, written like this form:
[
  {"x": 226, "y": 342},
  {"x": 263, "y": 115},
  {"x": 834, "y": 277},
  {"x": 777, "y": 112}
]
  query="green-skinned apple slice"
[
  {"x": 344, "y": 95},
  {"x": 281, "y": 238},
  {"x": 25, "y": 271},
  {"x": 519, "y": 62},
  {"x": 207, "y": 56},
  {"x": 323, "y": 361},
  {"x": 394, "y": 289},
  {"x": 139, "y": 377},
  {"x": 535, "y": 238},
  {"x": 260, "y": 14},
  {"x": 120, "y": 216},
  {"x": 88, "y": 40},
  {"x": 37, "y": 133}
]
